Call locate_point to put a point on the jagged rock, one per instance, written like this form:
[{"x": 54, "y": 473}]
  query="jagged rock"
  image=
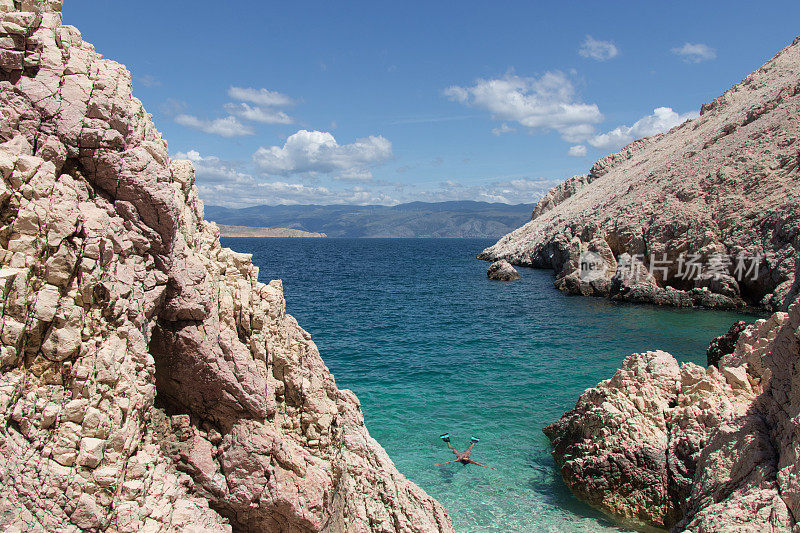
[
  {"x": 149, "y": 382},
  {"x": 590, "y": 270},
  {"x": 502, "y": 271},
  {"x": 560, "y": 193},
  {"x": 724, "y": 344},
  {"x": 726, "y": 184},
  {"x": 694, "y": 449}
]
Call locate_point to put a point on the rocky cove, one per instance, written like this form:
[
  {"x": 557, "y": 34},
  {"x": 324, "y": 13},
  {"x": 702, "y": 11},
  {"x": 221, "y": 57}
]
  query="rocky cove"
[
  {"x": 150, "y": 382},
  {"x": 679, "y": 446}
]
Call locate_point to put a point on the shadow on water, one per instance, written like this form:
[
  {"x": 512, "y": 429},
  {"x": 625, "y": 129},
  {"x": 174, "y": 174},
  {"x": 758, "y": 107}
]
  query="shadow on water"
[
  {"x": 446, "y": 473},
  {"x": 547, "y": 483}
]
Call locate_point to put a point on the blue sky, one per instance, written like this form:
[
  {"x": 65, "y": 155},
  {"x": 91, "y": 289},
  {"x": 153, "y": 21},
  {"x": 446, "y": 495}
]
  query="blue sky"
[{"x": 387, "y": 102}]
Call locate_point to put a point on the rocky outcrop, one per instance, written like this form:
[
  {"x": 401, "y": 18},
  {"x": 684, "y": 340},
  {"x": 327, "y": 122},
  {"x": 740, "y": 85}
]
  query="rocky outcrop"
[
  {"x": 502, "y": 271},
  {"x": 724, "y": 344},
  {"x": 711, "y": 208},
  {"x": 148, "y": 381},
  {"x": 560, "y": 193},
  {"x": 689, "y": 448}
]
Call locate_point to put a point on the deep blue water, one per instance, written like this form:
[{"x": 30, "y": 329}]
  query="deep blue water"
[{"x": 430, "y": 345}]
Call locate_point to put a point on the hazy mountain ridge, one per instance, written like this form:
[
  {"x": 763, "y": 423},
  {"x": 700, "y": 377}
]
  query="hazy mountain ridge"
[
  {"x": 459, "y": 219},
  {"x": 247, "y": 231}
]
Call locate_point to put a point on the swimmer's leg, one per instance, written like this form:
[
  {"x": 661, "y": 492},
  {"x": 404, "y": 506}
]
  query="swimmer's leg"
[{"x": 446, "y": 438}]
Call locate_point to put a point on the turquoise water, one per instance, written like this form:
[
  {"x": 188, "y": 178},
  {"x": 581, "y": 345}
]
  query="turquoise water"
[{"x": 430, "y": 345}]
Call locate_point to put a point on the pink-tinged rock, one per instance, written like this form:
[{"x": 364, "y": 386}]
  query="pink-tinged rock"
[{"x": 163, "y": 386}]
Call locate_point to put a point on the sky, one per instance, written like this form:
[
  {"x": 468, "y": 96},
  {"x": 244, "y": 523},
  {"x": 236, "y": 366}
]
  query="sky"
[{"x": 388, "y": 102}]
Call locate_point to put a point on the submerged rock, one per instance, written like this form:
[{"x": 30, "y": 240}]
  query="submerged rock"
[
  {"x": 148, "y": 381},
  {"x": 691, "y": 448},
  {"x": 502, "y": 271},
  {"x": 717, "y": 188}
]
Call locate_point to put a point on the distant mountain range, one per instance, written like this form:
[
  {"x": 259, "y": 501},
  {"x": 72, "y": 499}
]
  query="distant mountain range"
[
  {"x": 249, "y": 231},
  {"x": 460, "y": 219}
]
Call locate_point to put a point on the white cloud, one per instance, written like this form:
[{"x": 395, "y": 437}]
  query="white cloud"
[
  {"x": 548, "y": 102},
  {"x": 577, "y": 151},
  {"x": 599, "y": 50},
  {"x": 229, "y": 126},
  {"x": 263, "y": 115},
  {"x": 312, "y": 152},
  {"x": 211, "y": 170},
  {"x": 262, "y": 97},
  {"x": 504, "y": 128},
  {"x": 695, "y": 52},
  {"x": 662, "y": 119},
  {"x": 225, "y": 183},
  {"x": 358, "y": 175}
]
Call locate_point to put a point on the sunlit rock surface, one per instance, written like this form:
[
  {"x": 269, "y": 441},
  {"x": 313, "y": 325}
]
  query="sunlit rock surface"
[
  {"x": 148, "y": 381},
  {"x": 726, "y": 184}
]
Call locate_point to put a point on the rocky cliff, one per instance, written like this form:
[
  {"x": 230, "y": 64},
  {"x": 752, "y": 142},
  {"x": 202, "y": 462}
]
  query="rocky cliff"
[
  {"x": 721, "y": 191},
  {"x": 690, "y": 448},
  {"x": 148, "y": 381}
]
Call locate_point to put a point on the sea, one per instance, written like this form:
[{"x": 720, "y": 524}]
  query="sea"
[{"x": 430, "y": 346}]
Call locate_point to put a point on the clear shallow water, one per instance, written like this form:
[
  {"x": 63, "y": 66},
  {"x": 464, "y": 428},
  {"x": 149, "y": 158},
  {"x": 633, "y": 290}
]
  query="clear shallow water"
[{"x": 430, "y": 345}]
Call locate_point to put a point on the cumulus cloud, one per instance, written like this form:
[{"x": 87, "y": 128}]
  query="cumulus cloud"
[
  {"x": 263, "y": 115},
  {"x": 225, "y": 183},
  {"x": 263, "y": 111},
  {"x": 547, "y": 103},
  {"x": 312, "y": 152},
  {"x": 598, "y": 50},
  {"x": 577, "y": 151},
  {"x": 662, "y": 119},
  {"x": 695, "y": 52},
  {"x": 211, "y": 170},
  {"x": 229, "y": 126},
  {"x": 259, "y": 96}
]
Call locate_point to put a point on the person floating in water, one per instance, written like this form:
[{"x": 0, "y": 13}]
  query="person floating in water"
[{"x": 461, "y": 457}]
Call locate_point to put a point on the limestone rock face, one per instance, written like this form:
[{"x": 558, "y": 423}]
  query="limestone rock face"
[
  {"x": 502, "y": 271},
  {"x": 724, "y": 185},
  {"x": 148, "y": 381},
  {"x": 694, "y": 449}
]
